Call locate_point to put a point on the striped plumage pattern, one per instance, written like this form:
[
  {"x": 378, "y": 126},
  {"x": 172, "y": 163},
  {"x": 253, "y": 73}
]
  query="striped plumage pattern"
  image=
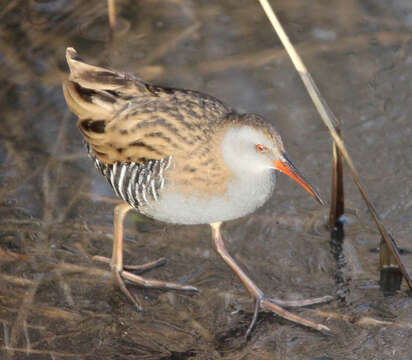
[
  {"x": 178, "y": 156},
  {"x": 136, "y": 183},
  {"x": 125, "y": 120}
]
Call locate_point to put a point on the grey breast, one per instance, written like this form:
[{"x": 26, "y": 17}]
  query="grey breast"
[{"x": 136, "y": 183}]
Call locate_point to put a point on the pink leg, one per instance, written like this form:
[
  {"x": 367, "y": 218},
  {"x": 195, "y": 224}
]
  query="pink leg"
[
  {"x": 116, "y": 262},
  {"x": 261, "y": 301}
]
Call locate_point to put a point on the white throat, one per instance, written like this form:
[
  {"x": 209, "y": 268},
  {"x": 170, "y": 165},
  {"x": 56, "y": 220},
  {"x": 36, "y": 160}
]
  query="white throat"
[{"x": 239, "y": 153}]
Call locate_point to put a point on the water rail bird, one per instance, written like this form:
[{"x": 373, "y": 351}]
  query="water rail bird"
[{"x": 178, "y": 156}]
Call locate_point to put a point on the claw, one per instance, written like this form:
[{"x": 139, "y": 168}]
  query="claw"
[
  {"x": 119, "y": 279},
  {"x": 254, "y": 318},
  {"x": 267, "y": 304}
]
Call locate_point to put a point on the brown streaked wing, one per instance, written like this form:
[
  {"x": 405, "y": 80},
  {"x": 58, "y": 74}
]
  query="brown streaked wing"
[
  {"x": 127, "y": 120},
  {"x": 154, "y": 126}
]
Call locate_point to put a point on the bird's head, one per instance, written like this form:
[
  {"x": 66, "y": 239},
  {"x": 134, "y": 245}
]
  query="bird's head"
[{"x": 251, "y": 146}]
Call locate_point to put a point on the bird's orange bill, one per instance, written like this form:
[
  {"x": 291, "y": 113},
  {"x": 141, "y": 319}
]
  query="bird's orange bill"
[{"x": 289, "y": 169}]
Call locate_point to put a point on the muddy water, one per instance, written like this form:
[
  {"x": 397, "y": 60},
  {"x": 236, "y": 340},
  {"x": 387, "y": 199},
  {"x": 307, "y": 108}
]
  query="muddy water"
[{"x": 56, "y": 212}]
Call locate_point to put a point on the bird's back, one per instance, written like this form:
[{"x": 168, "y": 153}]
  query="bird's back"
[
  {"x": 144, "y": 138},
  {"x": 125, "y": 119}
]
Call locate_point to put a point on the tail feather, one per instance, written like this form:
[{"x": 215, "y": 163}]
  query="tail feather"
[
  {"x": 98, "y": 78},
  {"x": 95, "y": 92}
]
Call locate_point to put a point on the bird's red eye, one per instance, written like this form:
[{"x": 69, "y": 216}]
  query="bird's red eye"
[{"x": 260, "y": 147}]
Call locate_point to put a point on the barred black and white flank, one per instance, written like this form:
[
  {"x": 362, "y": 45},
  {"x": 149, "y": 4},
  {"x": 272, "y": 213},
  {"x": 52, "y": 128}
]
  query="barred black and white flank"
[{"x": 137, "y": 184}]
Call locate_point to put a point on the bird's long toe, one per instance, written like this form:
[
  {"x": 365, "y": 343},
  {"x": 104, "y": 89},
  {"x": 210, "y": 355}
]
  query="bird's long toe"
[
  {"x": 301, "y": 303},
  {"x": 269, "y": 305},
  {"x": 145, "y": 267}
]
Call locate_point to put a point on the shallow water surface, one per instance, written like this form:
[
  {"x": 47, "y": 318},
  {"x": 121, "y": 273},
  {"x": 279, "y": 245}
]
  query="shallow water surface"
[{"x": 56, "y": 210}]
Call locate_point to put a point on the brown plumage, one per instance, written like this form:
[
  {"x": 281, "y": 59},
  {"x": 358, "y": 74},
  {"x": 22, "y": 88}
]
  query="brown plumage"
[
  {"x": 178, "y": 156},
  {"x": 127, "y": 120}
]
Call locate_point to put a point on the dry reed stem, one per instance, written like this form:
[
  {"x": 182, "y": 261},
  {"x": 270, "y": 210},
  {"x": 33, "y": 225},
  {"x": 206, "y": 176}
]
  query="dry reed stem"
[
  {"x": 12, "y": 255},
  {"x": 362, "y": 320},
  {"x": 102, "y": 198},
  {"x": 9, "y": 7},
  {"x": 65, "y": 268},
  {"x": 72, "y": 156},
  {"x": 331, "y": 121},
  {"x": 15, "y": 280},
  {"x": 13, "y": 188},
  {"x": 14, "y": 57},
  {"x": 56, "y": 313},
  {"x": 51, "y": 354},
  {"x": 111, "y": 11},
  {"x": 21, "y": 319},
  {"x": 170, "y": 44}
]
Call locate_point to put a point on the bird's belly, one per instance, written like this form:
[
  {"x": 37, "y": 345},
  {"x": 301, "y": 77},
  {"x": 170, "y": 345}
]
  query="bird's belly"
[{"x": 240, "y": 199}]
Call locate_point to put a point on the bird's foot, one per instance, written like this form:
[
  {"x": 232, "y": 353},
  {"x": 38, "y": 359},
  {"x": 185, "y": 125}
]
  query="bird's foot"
[
  {"x": 121, "y": 275},
  {"x": 274, "y": 306}
]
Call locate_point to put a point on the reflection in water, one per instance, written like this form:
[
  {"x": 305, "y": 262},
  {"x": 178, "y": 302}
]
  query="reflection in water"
[{"x": 56, "y": 211}]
